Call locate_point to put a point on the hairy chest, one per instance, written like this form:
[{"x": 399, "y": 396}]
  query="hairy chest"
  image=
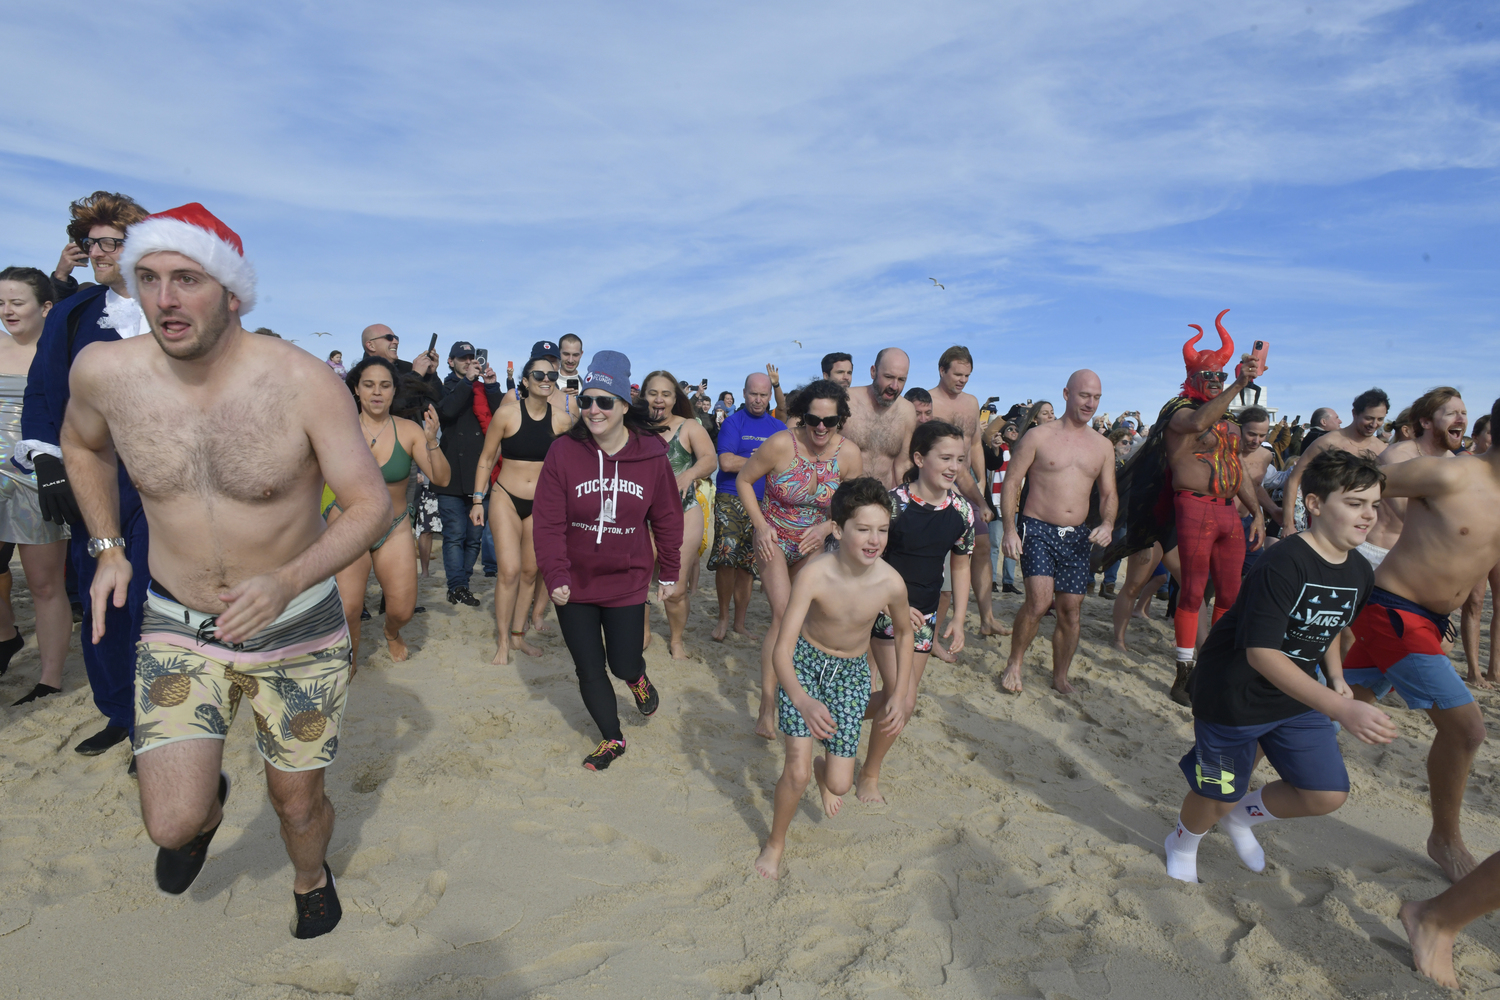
[
  {"x": 878, "y": 434},
  {"x": 245, "y": 449}
]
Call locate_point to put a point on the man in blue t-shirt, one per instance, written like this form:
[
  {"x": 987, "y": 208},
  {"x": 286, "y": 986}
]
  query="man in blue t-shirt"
[{"x": 733, "y": 557}]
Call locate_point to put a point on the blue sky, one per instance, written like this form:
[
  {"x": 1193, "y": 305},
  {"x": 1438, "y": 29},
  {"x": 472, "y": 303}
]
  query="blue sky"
[{"x": 701, "y": 185}]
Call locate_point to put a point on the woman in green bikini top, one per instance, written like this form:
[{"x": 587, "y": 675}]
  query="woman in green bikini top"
[
  {"x": 396, "y": 443},
  {"x": 692, "y": 457}
]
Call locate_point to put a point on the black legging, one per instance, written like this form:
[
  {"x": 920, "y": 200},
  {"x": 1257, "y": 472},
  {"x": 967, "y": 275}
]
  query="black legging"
[{"x": 590, "y": 630}]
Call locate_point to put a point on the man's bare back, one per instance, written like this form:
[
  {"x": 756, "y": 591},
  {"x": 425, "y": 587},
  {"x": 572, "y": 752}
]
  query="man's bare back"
[
  {"x": 1391, "y": 517},
  {"x": 882, "y": 434},
  {"x": 228, "y": 468},
  {"x": 1450, "y": 539}
]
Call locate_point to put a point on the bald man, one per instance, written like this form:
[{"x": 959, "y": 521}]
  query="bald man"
[
  {"x": 1062, "y": 460},
  {"x": 381, "y": 342},
  {"x": 880, "y": 420}
]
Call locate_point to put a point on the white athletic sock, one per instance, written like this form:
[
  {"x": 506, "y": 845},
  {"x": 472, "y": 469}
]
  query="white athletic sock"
[
  {"x": 1182, "y": 853},
  {"x": 1184, "y": 655},
  {"x": 1247, "y": 812}
]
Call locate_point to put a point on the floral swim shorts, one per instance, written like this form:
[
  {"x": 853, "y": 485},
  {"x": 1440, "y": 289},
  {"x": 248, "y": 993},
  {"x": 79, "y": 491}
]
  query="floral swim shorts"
[
  {"x": 921, "y": 641},
  {"x": 734, "y": 536},
  {"x": 294, "y": 672},
  {"x": 841, "y": 684}
]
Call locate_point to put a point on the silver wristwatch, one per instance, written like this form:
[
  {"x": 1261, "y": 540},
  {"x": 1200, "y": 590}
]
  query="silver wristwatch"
[{"x": 98, "y": 545}]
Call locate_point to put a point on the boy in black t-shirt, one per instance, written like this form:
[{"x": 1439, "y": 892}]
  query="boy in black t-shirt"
[{"x": 1255, "y": 689}]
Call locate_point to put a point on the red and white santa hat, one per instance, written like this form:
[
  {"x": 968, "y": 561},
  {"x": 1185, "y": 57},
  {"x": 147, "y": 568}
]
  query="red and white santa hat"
[{"x": 194, "y": 232}]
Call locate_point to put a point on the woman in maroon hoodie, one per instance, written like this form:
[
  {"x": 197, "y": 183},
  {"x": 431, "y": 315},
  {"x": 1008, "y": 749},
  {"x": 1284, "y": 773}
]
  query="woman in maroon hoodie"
[{"x": 600, "y": 487}]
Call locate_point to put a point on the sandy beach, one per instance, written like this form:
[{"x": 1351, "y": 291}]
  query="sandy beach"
[{"x": 1019, "y": 854}]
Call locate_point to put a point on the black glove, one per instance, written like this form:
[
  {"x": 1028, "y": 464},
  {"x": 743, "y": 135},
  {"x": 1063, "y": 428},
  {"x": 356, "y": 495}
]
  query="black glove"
[{"x": 54, "y": 492}]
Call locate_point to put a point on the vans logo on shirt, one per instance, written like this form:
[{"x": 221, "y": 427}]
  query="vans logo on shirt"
[{"x": 1319, "y": 614}]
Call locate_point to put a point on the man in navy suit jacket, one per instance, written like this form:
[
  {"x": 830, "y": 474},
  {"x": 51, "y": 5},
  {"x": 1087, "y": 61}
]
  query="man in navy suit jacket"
[{"x": 99, "y": 312}]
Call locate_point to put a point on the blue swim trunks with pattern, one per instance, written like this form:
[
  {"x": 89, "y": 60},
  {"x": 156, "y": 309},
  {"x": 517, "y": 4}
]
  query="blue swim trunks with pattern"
[{"x": 843, "y": 684}]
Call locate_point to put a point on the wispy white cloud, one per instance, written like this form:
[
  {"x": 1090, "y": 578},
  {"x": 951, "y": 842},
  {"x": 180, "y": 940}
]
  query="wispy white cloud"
[{"x": 726, "y": 179}]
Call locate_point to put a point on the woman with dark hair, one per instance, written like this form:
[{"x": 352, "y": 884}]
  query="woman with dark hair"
[
  {"x": 396, "y": 443},
  {"x": 803, "y": 467},
  {"x": 602, "y": 486},
  {"x": 691, "y": 455},
  {"x": 520, "y": 433},
  {"x": 931, "y": 524},
  {"x": 26, "y": 297}
]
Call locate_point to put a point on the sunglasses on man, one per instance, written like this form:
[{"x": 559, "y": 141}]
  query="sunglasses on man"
[
  {"x": 109, "y": 244},
  {"x": 1214, "y": 376}
]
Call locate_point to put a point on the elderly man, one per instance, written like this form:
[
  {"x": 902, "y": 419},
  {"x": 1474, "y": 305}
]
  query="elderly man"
[
  {"x": 733, "y": 556},
  {"x": 381, "y": 341},
  {"x": 1063, "y": 459},
  {"x": 229, "y": 438}
]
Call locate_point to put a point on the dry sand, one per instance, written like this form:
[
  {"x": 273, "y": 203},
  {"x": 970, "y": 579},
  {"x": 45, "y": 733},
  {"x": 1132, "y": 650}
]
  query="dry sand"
[{"x": 1019, "y": 854}]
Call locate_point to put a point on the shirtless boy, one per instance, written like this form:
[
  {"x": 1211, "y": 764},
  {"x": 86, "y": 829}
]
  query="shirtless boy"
[
  {"x": 230, "y": 438},
  {"x": 1256, "y": 692},
  {"x": 1449, "y": 541},
  {"x": 1370, "y": 408},
  {"x": 821, "y": 657},
  {"x": 1063, "y": 460},
  {"x": 880, "y": 420},
  {"x": 1255, "y": 459},
  {"x": 961, "y": 409}
]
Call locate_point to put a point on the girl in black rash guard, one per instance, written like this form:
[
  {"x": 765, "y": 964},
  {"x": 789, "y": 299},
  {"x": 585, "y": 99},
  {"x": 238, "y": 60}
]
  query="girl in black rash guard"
[
  {"x": 931, "y": 522},
  {"x": 520, "y": 433}
]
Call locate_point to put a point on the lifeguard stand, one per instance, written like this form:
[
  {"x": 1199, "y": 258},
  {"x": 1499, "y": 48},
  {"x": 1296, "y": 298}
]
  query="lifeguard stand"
[{"x": 1247, "y": 398}]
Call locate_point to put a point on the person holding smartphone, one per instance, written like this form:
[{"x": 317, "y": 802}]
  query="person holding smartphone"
[{"x": 603, "y": 485}]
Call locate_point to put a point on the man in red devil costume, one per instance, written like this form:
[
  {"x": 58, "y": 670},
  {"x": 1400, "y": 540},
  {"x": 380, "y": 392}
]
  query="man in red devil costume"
[
  {"x": 1203, "y": 459},
  {"x": 1187, "y": 475}
]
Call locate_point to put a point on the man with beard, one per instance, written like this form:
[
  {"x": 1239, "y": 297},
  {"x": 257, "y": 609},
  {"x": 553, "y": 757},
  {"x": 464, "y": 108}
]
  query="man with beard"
[
  {"x": 1449, "y": 542},
  {"x": 1063, "y": 459},
  {"x": 1370, "y": 408},
  {"x": 961, "y": 409},
  {"x": 105, "y": 312},
  {"x": 230, "y": 438},
  {"x": 1203, "y": 455},
  {"x": 881, "y": 421}
]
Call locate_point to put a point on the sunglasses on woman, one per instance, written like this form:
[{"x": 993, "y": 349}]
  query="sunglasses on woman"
[
  {"x": 832, "y": 423},
  {"x": 605, "y": 403},
  {"x": 537, "y": 376}
]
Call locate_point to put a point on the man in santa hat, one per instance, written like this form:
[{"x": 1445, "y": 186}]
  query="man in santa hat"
[{"x": 229, "y": 438}]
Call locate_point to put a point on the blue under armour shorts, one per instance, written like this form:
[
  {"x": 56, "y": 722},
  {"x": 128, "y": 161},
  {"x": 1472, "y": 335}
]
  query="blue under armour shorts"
[{"x": 1304, "y": 750}]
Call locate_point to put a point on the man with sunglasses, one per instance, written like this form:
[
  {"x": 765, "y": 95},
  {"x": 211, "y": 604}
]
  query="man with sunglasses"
[
  {"x": 1203, "y": 454},
  {"x": 381, "y": 342},
  {"x": 104, "y": 312}
]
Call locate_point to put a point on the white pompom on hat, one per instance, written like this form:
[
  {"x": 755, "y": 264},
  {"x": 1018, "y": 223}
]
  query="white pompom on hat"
[{"x": 196, "y": 233}]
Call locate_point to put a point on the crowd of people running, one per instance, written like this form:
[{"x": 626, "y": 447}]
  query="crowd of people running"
[{"x": 217, "y": 538}]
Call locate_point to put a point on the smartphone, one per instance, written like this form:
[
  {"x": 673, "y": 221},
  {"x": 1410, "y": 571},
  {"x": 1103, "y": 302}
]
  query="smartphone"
[
  {"x": 993, "y": 399},
  {"x": 483, "y": 354},
  {"x": 1259, "y": 353},
  {"x": 569, "y": 383},
  {"x": 432, "y": 344}
]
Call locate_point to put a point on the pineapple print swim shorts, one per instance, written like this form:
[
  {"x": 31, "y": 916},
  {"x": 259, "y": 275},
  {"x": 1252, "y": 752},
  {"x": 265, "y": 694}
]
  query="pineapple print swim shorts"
[{"x": 294, "y": 673}]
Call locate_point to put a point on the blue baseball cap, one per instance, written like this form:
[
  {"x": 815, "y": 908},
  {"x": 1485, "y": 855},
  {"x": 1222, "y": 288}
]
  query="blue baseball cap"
[{"x": 462, "y": 349}]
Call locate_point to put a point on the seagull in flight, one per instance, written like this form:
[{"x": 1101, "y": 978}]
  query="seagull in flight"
[
  {"x": 938, "y": 283},
  {"x": 797, "y": 342},
  {"x": 315, "y": 334}
]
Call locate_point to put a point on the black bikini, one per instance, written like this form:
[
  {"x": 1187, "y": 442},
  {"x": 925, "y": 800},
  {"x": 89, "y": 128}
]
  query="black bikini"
[{"x": 529, "y": 443}]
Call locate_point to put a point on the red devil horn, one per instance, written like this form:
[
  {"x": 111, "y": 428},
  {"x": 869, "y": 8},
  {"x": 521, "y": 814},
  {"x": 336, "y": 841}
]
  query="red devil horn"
[
  {"x": 1221, "y": 357},
  {"x": 1190, "y": 354}
]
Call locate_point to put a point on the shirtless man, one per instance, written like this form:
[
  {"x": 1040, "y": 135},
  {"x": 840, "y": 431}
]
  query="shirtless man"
[
  {"x": 881, "y": 421},
  {"x": 1063, "y": 459},
  {"x": 230, "y": 438},
  {"x": 1438, "y": 419},
  {"x": 1370, "y": 408},
  {"x": 961, "y": 409},
  {"x": 1450, "y": 540},
  {"x": 838, "y": 367},
  {"x": 1203, "y": 451},
  {"x": 1255, "y": 459}
]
